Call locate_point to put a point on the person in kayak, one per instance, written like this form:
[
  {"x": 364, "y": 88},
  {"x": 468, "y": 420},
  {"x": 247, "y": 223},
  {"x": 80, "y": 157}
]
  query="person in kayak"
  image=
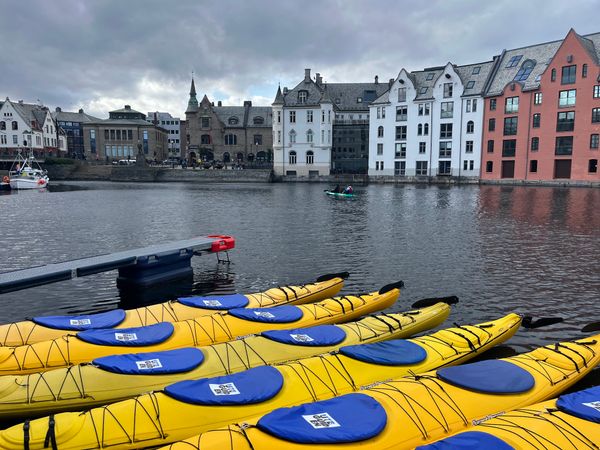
[
  {"x": 348, "y": 190},
  {"x": 337, "y": 189}
]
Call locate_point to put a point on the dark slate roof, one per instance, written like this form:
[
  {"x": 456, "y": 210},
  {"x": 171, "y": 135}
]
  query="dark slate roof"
[
  {"x": 67, "y": 116},
  {"x": 260, "y": 111},
  {"x": 345, "y": 95},
  {"x": 126, "y": 110},
  {"x": 314, "y": 94},
  {"x": 466, "y": 74},
  {"x": 224, "y": 113},
  {"x": 420, "y": 81},
  {"x": 135, "y": 122},
  {"x": 31, "y": 112},
  {"x": 278, "y": 97}
]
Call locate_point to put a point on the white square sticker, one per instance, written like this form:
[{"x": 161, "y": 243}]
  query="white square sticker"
[
  {"x": 595, "y": 405},
  {"x": 321, "y": 420},
  {"x": 126, "y": 337},
  {"x": 79, "y": 322},
  {"x": 224, "y": 389},
  {"x": 264, "y": 314},
  {"x": 301, "y": 337},
  {"x": 149, "y": 364},
  {"x": 212, "y": 303}
]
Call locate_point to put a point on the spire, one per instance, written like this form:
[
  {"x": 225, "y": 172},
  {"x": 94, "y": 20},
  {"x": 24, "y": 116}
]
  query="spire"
[
  {"x": 278, "y": 97},
  {"x": 193, "y": 101}
]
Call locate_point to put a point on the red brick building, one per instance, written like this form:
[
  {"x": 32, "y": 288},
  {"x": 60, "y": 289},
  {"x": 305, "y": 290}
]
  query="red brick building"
[{"x": 542, "y": 112}]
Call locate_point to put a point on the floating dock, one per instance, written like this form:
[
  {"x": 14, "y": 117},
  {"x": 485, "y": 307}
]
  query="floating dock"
[{"x": 137, "y": 267}]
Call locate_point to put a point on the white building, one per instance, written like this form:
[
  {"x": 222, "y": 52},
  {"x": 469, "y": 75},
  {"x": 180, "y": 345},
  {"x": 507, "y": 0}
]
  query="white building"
[
  {"x": 25, "y": 126},
  {"x": 302, "y": 129},
  {"x": 173, "y": 127},
  {"x": 429, "y": 123}
]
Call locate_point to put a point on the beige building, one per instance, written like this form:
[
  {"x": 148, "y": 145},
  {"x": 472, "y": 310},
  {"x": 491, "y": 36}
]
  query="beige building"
[
  {"x": 125, "y": 133},
  {"x": 231, "y": 134}
]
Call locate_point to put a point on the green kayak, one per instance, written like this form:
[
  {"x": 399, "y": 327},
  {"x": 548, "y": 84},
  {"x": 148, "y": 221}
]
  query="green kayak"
[{"x": 339, "y": 194}]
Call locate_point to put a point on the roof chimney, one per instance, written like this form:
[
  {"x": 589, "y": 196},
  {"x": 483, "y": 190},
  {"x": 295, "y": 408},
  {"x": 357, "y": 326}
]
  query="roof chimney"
[
  {"x": 390, "y": 82},
  {"x": 80, "y": 110},
  {"x": 285, "y": 90},
  {"x": 219, "y": 103},
  {"x": 128, "y": 107},
  {"x": 58, "y": 109},
  {"x": 247, "y": 103},
  {"x": 319, "y": 79},
  {"x": 306, "y": 75},
  {"x": 376, "y": 79}
]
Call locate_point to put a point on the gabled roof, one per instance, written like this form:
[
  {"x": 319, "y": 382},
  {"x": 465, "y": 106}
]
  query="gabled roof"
[
  {"x": 79, "y": 117},
  {"x": 354, "y": 96},
  {"x": 313, "y": 94},
  {"x": 479, "y": 79}
]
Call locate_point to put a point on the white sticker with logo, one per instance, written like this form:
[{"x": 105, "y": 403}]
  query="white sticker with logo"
[
  {"x": 224, "y": 389},
  {"x": 212, "y": 303},
  {"x": 265, "y": 314},
  {"x": 321, "y": 420},
  {"x": 79, "y": 322},
  {"x": 301, "y": 337},
  {"x": 595, "y": 405},
  {"x": 126, "y": 337},
  {"x": 149, "y": 364}
]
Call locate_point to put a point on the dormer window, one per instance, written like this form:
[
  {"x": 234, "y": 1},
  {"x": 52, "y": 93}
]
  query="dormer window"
[
  {"x": 470, "y": 84},
  {"x": 233, "y": 121},
  {"x": 430, "y": 76},
  {"x": 514, "y": 61},
  {"x": 258, "y": 120},
  {"x": 423, "y": 91},
  {"x": 302, "y": 97},
  {"x": 525, "y": 70}
]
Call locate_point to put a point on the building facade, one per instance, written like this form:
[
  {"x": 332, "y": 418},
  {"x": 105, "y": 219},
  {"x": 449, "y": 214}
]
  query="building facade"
[
  {"x": 124, "y": 135},
  {"x": 26, "y": 127},
  {"x": 429, "y": 123},
  {"x": 173, "y": 127},
  {"x": 542, "y": 112},
  {"x": 72, "y": 125},
  {"x": 232, "y": 134}
]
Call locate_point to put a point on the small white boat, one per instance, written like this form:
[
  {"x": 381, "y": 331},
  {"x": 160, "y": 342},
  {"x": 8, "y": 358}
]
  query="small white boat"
[{"x": 23, "y": 174}]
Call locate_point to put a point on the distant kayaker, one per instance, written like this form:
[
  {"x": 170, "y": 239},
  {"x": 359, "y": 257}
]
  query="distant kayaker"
[
  {"x": 337, "y": 189},
  {"x": 348, "y": 190}
]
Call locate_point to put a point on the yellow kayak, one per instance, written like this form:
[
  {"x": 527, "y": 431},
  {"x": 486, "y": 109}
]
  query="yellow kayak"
[
  {"x": 45, "y": 328},
  {"x": 205, "y": 330},
  {"x": 189, "y": 407},
  {"x": 407, "y": 412},
  {"x": 114, "y": 378},
  {"x": 570, "y": 422}
]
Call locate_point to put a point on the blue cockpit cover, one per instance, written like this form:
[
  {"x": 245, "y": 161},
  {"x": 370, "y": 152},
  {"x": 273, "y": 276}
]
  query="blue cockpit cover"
[
  {"x": 349, "y": 418},
  {"x": 251, "y": 386},
  {"x": 321, "y": 335},
  {"x": 277, "y": 314},
  {"x": 493, "y": 376},
  {"x": 153, "y": 363},
  {"x": 583, "y": 404},
  {"x": 218, "y": 302},
  {"x": 86, "y": 322},
  {"x": 397, "y": 352},
  {"x": 469, "y": 440},
  {"x": 129, "y": 337}
]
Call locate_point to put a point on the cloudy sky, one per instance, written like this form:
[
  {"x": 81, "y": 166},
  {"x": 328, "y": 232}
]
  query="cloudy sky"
[{"x": 102, "y": 54}]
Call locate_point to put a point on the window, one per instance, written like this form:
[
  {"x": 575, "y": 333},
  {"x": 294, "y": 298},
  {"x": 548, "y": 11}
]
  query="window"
[
  {"x": 310, "y": 157},
  {"x": 15, "y": 125},
  {"x": 511, "y": 105},
  {"x": 420, "y": 129},
  {"x": 430, "y": 76},
  {"x": 292, "y": 157},
  {"x": 106, "y": 135},
  {"x": 279, "y": 136},
  {"x": 565, "y": 121},
  {"x": 492, "y": 125},
  {"x": 426, "y": 129},
  {"x": 401, "y": 132},
  {"x": 564, "y": 145},
  {"x": 402, "y": 94},
  {"x": 400, "y": 150},
  {"x": 401, "y": 113},
  {"x": 489, "y": 166},
  {"x": 383, "y": 112},
  {"x": 444, "y": 168},
  {"x": 309, "y": 136},
  {"x": 593, "y": 166},
  {"x": 537, "y": 98},
  {"x": 15, "y": 139},
  {"x": 447, "y": 110},
  {"x": 323, "y": 116},
  {"x": 509, "y": 148},
  {"x": 594, "y": 140},
  {"x": 309, "y": 116},
  {"x": 447, "y": 90},
  {"x": 380, "y": 131},
  {"x": 476, "y": 70},
  {"x": 525, "y": 70},
  {"x": 424, "y": 109},
  {"x": 445, "y": 130},
  {"x": 597, "y": 91},
  {"x": 537, "y": 118},
  {"x": 205, "y": 122},
  {"x": 474, "y": 105},
  {"x": 446, "y": 149},
  {"x": 257, "y": 140},
  {"x": 380, "y": 149},
  {"x": 510, "y": 126},
  {"x": 3, "y": 139},
  {"x": 533, "y": 166},
  {"x": 567, "y": 98},
  {"x": 205, "y": 139},
  {"x": 423, "y": 91},
  {"x": 568, "y": 75},
  {"x": 3, "y": 125},
  {"x": 112, "y": 135},
  {"x": 596, "y": 115},
  {"x": 421, "y": 168},
  {"x": 400, "y": 168},
  {"x": 292, "y": 137},
  {"x": 130, "y": 135},
  {"x": 292, "y": 116},
  {"x": 492, "y": 104},
  {"x": 422, "y": 147},
  {"x": 490, "y": 146},
  {"x": 233, "y": 121},
  {"x": 230, "y": 139},
  {"x": 514, "y": 61},
  {"x": 470, "y": 126},
  {"x": 553, "y": 75},
  {"x": 470, "y": 85},
  {"x": 469, "y": 147},
  {"x": 584, "y": 71},
  {"x": 322, "y": 136},
  {"x": 535, "y": 144},
  {"x": 302, "y": 96},
  {"x": 468, "y": 108}
]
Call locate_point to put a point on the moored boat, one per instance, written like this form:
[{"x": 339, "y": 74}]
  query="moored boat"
[{"x": 26, "y": 173}]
